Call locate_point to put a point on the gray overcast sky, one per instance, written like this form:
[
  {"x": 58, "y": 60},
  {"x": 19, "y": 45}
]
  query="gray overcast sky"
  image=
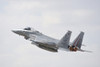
[{"x": 53, "y": 18}]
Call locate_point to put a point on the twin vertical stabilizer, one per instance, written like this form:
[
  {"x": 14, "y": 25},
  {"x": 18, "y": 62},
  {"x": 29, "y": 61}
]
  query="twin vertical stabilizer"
[
  {"x": 78, "y": 41},
  {"x": 64, "y": 42}
]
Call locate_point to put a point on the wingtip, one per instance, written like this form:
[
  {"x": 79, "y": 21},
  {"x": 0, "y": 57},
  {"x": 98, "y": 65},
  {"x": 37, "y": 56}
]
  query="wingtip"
[
  {"x": 82, "y": 32},
  {"x": 69, "y": 31}
]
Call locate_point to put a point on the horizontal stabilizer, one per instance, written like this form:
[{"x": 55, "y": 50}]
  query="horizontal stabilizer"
[{"x": 85, "y": 51}]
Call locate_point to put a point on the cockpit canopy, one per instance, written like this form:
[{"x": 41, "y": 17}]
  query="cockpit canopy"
[
  {"x": 28, "y": 28},
  {"x": 31, "y": 29}
]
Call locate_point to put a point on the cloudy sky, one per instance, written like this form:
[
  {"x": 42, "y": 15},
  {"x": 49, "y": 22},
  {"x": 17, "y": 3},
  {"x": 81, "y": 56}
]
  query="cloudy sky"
[{"x": 53, "y": 18}]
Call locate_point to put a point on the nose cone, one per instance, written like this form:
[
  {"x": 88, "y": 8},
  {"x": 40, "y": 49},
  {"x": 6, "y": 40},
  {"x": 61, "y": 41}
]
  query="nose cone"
[
  {"x": 18, "y": 32},
  {"x": 14, "y": 31}
]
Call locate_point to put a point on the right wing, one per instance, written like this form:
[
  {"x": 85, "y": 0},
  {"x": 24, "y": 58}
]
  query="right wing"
[{"x": 64, "y": 42}]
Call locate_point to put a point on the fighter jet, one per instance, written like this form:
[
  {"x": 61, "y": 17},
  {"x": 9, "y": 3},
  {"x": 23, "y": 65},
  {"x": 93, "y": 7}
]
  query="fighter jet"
[{"x": 50, "y": 44}]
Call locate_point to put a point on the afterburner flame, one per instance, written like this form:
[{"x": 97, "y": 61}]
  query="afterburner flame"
[{"x": 73, "y": 48}]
